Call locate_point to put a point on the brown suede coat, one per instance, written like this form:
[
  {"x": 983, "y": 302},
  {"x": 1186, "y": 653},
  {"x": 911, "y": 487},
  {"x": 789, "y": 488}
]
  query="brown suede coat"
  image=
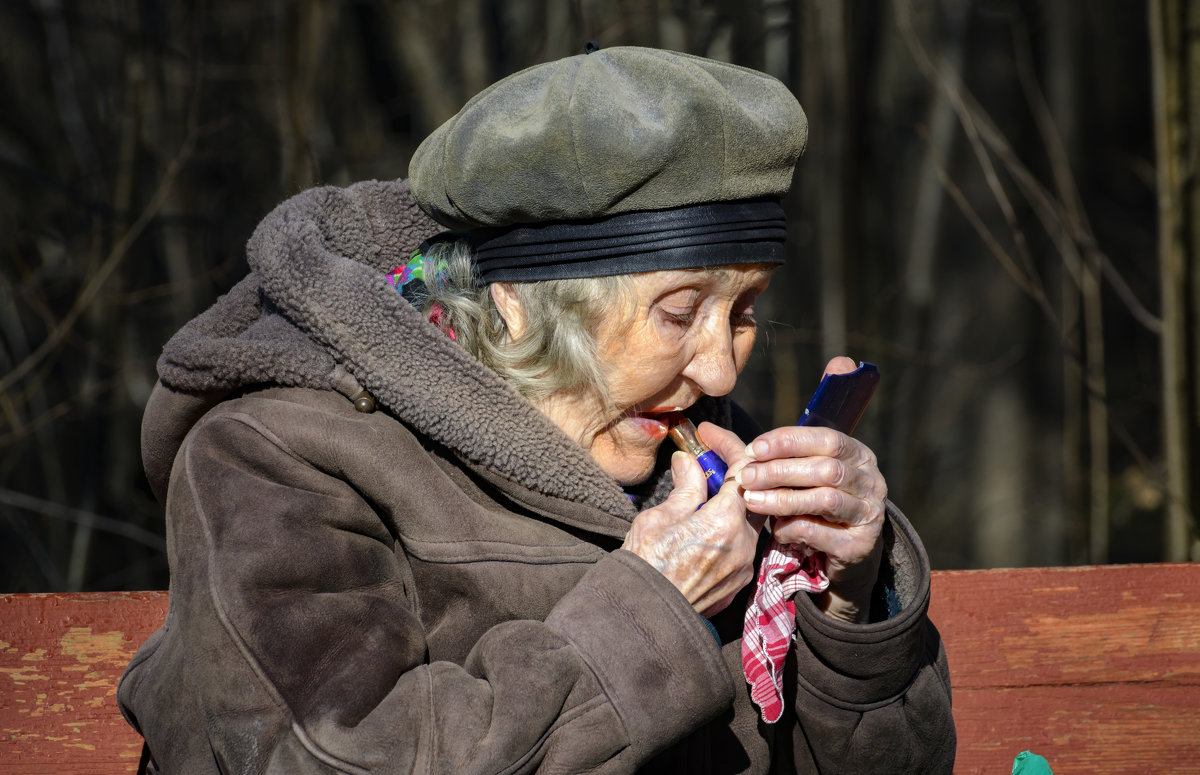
[{"x": 437, "y": 585}]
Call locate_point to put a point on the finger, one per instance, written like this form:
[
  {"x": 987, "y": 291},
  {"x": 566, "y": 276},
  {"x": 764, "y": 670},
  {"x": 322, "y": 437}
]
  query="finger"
[
  {"x": 817, "y": 533},
  {"x": 690, "y": 488},
  {"x": 827, "y": 503},
  {"x": 862, "y": 482},
  {"x": 797, "y": 441},
  {"x": 840, "y": 365},
  {"x": 842, "y": 546},
  {"x": 727, "y": 444},
  {"x": 727, "y": 505}
]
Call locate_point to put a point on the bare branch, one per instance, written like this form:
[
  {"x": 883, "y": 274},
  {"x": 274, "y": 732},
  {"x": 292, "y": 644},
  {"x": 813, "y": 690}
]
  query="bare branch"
[
  {"x": 1055, "y": 219},
  {"x": 21, "y": 430},
  {"x": 1032, "y": 284},
  {"x": 993, "y": 245},
  {"x": 1054, "y": 216},
  {"x": 176, "y": 288},
  {"x": 64, "y": 327},
  {"x": 982, "y": 131},
  {"x": 80, "y": 517}
]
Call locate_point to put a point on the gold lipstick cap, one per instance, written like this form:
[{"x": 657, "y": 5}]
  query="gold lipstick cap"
[{"x": 683, "y": 433}]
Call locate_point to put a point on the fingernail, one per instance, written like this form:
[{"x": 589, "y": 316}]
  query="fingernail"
[
  {"x": 756, "y": 449},
  {"x": 746, "y": 476},
  {"x": 754, "y": 497},
  {"x": 678, "y": 457}
]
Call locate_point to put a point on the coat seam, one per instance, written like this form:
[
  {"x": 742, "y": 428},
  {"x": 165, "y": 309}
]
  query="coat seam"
[{"x": 239, "y": 642}]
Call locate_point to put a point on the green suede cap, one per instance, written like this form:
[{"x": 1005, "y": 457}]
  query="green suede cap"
[{"x": 619, "y": 130}]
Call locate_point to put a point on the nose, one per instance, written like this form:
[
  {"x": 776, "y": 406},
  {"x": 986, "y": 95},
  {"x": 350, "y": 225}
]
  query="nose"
[{"x": 712, "y": 366}]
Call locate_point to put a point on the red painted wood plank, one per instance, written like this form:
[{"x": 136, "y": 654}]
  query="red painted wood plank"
[
  {"x": 1097, "y": 669},
  {"x": 1089, "y": 729},
  {"x": 1071, "y": 625},
  {"x": 60, "y": 658}
]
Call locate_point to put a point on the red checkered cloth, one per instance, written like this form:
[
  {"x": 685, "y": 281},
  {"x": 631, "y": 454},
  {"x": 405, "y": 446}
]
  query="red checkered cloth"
[{"x": 771, "y": 619}]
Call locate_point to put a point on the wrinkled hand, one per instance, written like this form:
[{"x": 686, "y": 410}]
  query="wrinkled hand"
[
  {"x": 707, "y": 553},
  {"x": 824, "y": 489}
]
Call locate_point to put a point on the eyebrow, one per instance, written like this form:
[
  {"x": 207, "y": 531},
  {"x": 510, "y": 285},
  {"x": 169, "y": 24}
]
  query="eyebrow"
[{"x": 727, "y": 274}]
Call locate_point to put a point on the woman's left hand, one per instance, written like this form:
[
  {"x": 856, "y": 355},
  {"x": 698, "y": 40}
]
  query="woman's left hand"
[{"x": 824, "y": 489}]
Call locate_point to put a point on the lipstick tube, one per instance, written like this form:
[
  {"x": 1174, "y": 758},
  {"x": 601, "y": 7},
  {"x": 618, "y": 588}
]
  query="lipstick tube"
[
  {"x": 683, "y": 433},
  {"x": 838, "y": 403}
]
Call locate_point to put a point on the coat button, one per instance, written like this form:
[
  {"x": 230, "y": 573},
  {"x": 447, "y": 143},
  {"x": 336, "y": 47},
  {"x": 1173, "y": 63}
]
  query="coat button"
[{"x": 364, "y": 402}]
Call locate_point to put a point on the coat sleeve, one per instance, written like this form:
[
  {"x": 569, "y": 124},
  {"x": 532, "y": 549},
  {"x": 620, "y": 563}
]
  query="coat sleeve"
[
  {"x": 292, "y": 644},
  {"x": 861, "y": 698},
  {"x": 858, "y": 698},
  {"x": 875, "y": 698}
]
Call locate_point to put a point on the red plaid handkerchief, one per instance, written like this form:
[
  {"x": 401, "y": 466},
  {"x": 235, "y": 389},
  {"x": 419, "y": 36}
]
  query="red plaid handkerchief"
[{"x": 771, "y": 619}]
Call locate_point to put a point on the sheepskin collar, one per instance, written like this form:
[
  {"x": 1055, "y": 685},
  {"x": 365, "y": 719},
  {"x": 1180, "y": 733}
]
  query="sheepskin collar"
[{"x": 317, "y": 311}]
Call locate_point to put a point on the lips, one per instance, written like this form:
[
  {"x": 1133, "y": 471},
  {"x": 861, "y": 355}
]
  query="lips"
[{"x": 654, "y": 422}]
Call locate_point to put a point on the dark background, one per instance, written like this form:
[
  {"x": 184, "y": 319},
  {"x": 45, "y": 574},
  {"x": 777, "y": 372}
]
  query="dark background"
[{"x": 978, "y": 213}]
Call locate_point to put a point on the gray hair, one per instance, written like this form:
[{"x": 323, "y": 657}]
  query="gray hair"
[{"x": 557, "y": 352}]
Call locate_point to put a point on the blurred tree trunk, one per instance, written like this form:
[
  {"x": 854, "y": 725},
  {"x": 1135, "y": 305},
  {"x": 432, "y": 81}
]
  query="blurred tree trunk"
[
  {"x": 280, "y": 95},
  {"x": 1001, "y": 478},
  {"x": 1175, "y": 48},
  {"x": 784, "y": 378},
  {"x": 745, "y": 18},
  {"x": 827, "y": 88},
  {"x": 1082, "y": 309},
  {"x": 304, "y": 31},
  {"x": 919, "y": 240}
]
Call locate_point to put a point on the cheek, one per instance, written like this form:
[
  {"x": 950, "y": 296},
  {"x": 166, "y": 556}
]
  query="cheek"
[
  {"x": 652, "y": 371},
  {"x": 650, "y": 353},
  {"x": 743, "y": 345}
]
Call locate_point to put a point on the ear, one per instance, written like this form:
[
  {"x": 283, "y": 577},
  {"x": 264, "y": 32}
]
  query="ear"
[{"x": 505, "y": 299}]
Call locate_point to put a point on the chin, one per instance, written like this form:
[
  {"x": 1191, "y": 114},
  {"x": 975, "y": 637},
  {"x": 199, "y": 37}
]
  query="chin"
[
  {"x": 628, "y": 457},
  {"x": 630, "y": 470}
]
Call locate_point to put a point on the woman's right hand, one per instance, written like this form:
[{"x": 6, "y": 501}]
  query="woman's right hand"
[{"x": 707, "y": 553}]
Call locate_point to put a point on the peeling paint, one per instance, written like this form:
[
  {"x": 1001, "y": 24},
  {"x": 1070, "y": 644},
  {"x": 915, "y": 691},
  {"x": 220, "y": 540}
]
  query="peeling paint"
[
  {"x": 90, "y": 648},
  {"x": 23, "y": 674},
  {"x": 58, "y": 703}
]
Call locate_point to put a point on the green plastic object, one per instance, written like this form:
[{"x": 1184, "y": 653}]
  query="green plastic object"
[{"x": 1029, "y": 763}]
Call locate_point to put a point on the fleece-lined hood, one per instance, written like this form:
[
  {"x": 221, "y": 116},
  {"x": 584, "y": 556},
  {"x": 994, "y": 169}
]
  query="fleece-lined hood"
[
  {"x": 437, "y": 585},
  {"x": 316, "y": 311}
]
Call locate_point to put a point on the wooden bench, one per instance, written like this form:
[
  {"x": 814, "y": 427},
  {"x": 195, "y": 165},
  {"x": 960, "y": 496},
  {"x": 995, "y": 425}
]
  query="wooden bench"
[{"x": 1097, "y": 669}]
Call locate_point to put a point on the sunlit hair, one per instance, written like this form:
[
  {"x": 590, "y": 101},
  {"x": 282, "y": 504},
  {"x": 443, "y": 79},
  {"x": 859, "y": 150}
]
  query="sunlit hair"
[{"x": 557, "y": 353}]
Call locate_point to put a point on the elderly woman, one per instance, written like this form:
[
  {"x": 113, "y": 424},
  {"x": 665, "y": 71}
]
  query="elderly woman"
[{"x": 438, "y": 531}]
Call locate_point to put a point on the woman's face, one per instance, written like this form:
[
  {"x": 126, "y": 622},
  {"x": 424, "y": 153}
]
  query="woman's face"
[{"x": 690, "y": 335}]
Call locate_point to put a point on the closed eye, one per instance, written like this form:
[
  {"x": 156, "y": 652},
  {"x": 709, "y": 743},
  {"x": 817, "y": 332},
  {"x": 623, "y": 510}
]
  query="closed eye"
[
  {"x": 744, "y": 318},
  {"x": 681, "y": 317}
]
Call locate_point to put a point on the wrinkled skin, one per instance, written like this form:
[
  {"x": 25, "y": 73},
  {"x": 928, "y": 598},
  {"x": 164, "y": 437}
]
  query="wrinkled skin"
[
  {"x": 821, "y": 487},
  {"x": 690, "y": 334},
  {"x": 708, "y": 554},
  {"x": 824, "y": 489}
]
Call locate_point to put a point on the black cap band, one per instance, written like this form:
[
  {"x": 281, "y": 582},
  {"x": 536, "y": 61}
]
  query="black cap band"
[{"x": 712, "y": 234}]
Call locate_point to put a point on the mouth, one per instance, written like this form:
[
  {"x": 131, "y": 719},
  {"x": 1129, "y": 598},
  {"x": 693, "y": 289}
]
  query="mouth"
[{"x": 655, "y": 421}]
